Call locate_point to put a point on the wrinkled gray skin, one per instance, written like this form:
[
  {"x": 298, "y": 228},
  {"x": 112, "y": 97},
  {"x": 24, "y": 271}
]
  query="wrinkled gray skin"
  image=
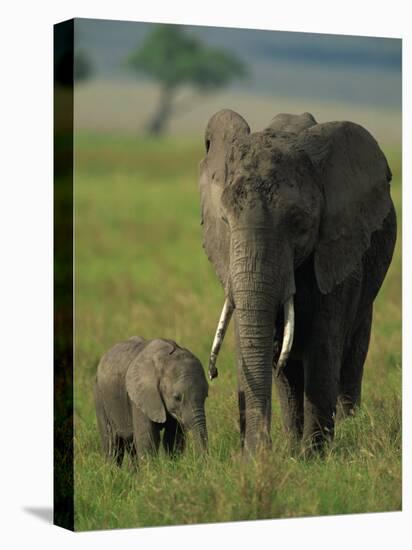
[
  {"x": 143, "y": 388},
  {"x": 299, "y": 209}
]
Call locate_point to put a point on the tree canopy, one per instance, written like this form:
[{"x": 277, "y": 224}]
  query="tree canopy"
[{"x": 175, "y": 58}]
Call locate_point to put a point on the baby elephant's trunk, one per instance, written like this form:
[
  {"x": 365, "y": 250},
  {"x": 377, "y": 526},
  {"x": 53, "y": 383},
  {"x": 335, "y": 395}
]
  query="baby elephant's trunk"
[{"x": 198, "y": 428}]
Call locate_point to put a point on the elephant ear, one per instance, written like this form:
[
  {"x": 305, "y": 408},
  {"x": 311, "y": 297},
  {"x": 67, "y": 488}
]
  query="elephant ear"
[
  {"x": 354, "y": 176},
  {"x": 222, "y": 131},
  {"x": 142, "y": 386},
  {"x": 292, "y": 123}
]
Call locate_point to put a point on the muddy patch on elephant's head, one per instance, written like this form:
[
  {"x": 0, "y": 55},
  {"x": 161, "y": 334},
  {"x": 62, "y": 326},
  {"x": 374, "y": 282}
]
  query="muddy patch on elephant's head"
[{"x": 262, "y": 167}]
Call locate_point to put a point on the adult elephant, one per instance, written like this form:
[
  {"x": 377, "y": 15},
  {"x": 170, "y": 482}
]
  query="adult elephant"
[{"x": 300, "y": 227}]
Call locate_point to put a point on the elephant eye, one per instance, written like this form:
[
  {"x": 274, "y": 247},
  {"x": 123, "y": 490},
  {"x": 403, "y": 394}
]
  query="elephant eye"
[
  {"x": 224, "y": 219},
  {"x": 177, "y": 397},
  {"x": 207, "y": 143},
  {"x": 299, "y": 220}
]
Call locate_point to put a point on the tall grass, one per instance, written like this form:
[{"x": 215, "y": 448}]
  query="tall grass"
[{"x": 140, "y": 269}]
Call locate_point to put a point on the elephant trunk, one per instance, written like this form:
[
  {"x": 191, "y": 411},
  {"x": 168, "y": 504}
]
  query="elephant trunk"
[
  {"x": 197, "y": 425},
  {"x": 255, "y": 326},
  {"x": 259, "y": 286}
]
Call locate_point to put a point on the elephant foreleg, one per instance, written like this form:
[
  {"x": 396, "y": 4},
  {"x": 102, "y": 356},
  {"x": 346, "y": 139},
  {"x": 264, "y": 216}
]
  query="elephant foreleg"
[
  {"x": 322, "y": 360},
  {"x": 320, "y": 398},
  {"x": 130, "y": 449},
  {"x": 321, "y": 386},
  {"x": 146, "y": 434},
  {"x": 173, "y": 437},
  {"x": 289, "y": 385}
]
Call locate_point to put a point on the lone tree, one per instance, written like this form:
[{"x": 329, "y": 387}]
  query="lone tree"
[{"x": 174, "y": 59}]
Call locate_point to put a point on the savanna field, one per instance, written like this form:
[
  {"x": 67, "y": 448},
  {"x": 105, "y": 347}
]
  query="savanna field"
[{"x": 140, "y": 269}]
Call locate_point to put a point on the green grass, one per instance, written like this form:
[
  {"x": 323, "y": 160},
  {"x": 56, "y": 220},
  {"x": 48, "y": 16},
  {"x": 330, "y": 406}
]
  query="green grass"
[{"x": 140, "y": 269}]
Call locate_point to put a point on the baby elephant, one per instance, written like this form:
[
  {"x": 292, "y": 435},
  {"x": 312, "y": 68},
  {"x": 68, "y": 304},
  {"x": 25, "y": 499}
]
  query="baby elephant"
[{"x": 146, "y": 386}]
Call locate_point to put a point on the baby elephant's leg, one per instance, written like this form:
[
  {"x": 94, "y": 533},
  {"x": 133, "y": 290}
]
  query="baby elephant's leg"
[
  {"x": 130, "y": 449},
  {"x": 146, "y": 434},
  {"x": 113, "y": 445},
  {"x": 174, "y": 437}
]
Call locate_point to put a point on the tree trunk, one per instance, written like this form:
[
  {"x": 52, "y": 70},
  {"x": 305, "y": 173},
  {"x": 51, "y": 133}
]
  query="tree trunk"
[{"x": 157, "y": 124}]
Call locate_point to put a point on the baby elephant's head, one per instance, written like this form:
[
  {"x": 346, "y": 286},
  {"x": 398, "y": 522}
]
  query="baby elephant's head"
[
  {"x": 184, "y": 389},
  {"x": 171, "y": 380}
]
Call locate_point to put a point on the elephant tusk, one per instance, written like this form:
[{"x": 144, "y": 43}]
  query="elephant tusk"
[
  {"x": 224, "y": 320},
  {"x": 289, "y": 313}
]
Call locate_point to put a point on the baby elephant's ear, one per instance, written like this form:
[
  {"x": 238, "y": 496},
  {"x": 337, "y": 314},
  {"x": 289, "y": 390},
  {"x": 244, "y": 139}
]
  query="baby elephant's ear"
[{"x": 142, "y": 385}]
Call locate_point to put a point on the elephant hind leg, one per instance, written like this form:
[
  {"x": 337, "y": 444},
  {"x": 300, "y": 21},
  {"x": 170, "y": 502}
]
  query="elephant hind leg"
[
  {"x": 112, "y": 444},
  {"x": 352, "y": 367},
  {"x": 290, "y": 385}
]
